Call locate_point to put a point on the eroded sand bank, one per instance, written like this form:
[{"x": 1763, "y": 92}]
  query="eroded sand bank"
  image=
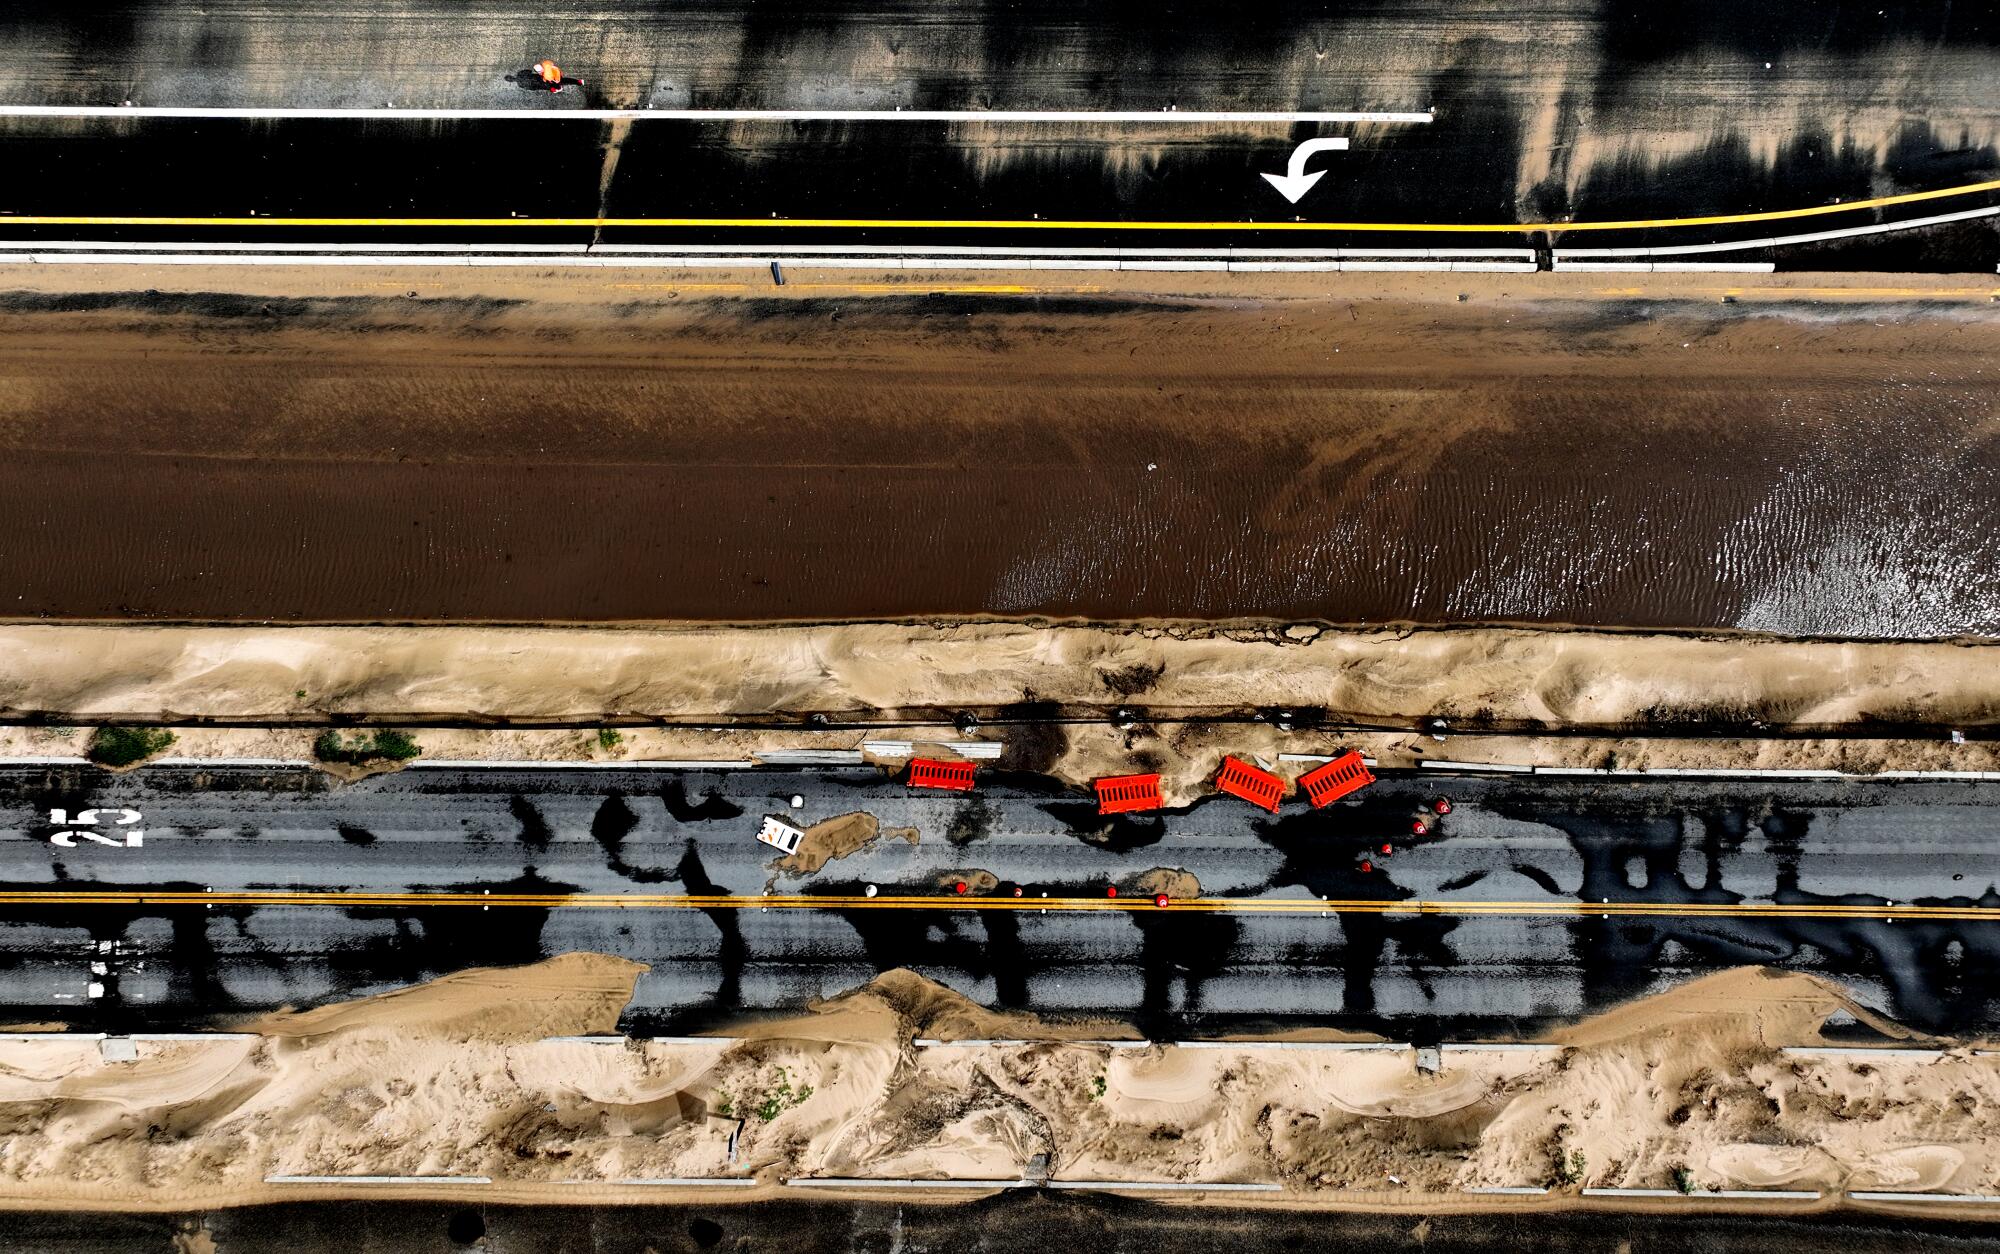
[
  {"x": 458, "y": 1078},
  {"x": 1619, "y": 690}
]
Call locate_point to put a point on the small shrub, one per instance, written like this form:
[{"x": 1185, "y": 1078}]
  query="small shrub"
[
  {"x": 1096, "y": 1087},
  {"x": 608, "y": 738},
  {"x": 1683, "y": 1180},
  {"x": 1570, "y": 1170},
  {"x": 122, "y": 746},
  {"x": 382, "y": 746}
]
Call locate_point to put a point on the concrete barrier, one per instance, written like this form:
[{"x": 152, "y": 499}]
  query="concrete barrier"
[
  {"x": 672, "y": 1182},
  {"x": 1161, "y": 1186},
  {"x": 1983, "y": 1199},
  {"x": 856, "y": 1182}
]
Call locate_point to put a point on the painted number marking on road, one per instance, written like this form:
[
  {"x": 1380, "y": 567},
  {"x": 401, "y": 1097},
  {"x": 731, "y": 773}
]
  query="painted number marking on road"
[{"x": 70, "y": 829}]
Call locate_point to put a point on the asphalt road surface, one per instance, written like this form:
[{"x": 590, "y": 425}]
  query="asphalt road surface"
[
  {"x": 1003, "y": 1225},
  {"x": 1542, "y": 899},
  {"x": 1555, "y": 111}
]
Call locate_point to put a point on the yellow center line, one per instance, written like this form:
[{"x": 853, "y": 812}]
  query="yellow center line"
[
  {"x": 1010, "y": 224},
  {"x": 1202, "y": 905}
]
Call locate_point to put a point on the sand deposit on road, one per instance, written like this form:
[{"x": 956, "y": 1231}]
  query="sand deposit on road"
[{"x": 457, "y": 1078}]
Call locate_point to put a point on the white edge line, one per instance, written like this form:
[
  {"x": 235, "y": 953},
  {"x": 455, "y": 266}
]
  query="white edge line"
[
  {"x": 681, "y": 1182},
  {"x": 80, "y": 1037},
  {"x": 1779, "y": 241},
  {"x": 1802, "y": 1195},
  {"x": 852, "y": 1182},
  {"x": 1185, "y": 116},
  {"x": 1522, "y": 1190},
  {"x": 1162, "y": 1186},
  {"x": 753, "y": 251},
  {"x": 1861, "y": 1051},
  {"x": 378, "y": 1180}
]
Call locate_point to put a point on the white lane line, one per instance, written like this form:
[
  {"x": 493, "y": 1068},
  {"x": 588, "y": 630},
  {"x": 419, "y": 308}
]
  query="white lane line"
[
  {"x": 1161, "y": 1186},
  {"x": 676, "y": 1182},
  {"x": 1779, "y": 241},
  {"x": 931, "y": 264},
  {"x": 560, "y": 113},
  {"x": 378, "y": 1180},
  {"x": 1801, "y": 1195},
  {"x": 1665, "y": 267},
  {"x": 855, "y": 1182},
  {"x": 755, "y": 251}
]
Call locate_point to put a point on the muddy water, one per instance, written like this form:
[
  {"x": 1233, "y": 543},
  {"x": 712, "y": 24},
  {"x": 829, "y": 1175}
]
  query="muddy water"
[{"x": 1600, "y": 463}]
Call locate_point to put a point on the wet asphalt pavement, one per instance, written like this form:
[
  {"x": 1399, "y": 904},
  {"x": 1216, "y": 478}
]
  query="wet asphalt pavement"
[
  {"x": 1002, "y": 1225},
  {"x": 1696, "y": 849}
]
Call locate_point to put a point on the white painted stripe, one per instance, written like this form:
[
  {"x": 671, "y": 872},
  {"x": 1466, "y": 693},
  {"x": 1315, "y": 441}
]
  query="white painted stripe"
[
  {"x": 1521, "y": 1190},
  {"x": 1738, "y": 772},
  {"x": 378, "y": 1180},
  {"x": 1495, "y": 768},
  {"x": 1650, "y": 267},
  {"x": 853, "y": 1182},
  {"x": 194, "y": 1036},
  {"x": 811, "y": 757},
  {"x": 57, "y": 1035},
  {"x": 1161, "y": 1186},
  {"x": 662, "y": 764},
  {"x": 753, "y": 250},
  {"x": 1779, "y": 241},
  {"x": 50, "y": 761},
  {"x": 1802, "y": 1195},
  {"x": 1980, "y": 1198},
  {"x": 1349, "y": 1047},
  {"x": 1861, "y": 1051},
  {"x": 558, "y": 112},
  {"x": 675, "y": 1182}
]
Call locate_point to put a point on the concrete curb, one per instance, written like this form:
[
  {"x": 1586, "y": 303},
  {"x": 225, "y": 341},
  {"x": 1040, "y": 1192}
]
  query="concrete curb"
[
  {"x": 1510, "y": 1190},
  {"x": 1732, "y": 1195},
  {"x": 1978, "y": 1198}
]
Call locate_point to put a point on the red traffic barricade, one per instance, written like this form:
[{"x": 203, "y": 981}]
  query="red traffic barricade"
[
  {"x": 1255, "y": 785},
  {"x": 1327, "y": 784},
  {"x": 931, "y": 773},
  {"x": 1121, "y": 794}
]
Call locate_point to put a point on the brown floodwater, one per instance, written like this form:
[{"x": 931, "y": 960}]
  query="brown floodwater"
[{"x": 1792, "y": 469}]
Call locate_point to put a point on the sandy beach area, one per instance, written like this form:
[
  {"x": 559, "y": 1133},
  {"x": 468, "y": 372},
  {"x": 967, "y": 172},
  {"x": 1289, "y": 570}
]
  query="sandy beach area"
[
  {"x": 1691, "y": 1088},
  {"x": 1568, "y": 698}
]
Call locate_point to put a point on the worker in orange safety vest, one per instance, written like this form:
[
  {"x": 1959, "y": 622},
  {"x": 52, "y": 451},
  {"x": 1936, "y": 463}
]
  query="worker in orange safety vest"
[{"x": 551, "y": 76}]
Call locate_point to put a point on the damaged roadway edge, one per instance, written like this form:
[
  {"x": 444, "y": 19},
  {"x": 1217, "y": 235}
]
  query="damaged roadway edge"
[{"x": 1690, "y": 1087}]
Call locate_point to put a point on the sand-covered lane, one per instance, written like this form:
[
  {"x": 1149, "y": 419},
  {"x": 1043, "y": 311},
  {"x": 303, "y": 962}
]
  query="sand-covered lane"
[
  {"x": 1539, "y": 899},
  {"x": 1692, "y": 1085}
]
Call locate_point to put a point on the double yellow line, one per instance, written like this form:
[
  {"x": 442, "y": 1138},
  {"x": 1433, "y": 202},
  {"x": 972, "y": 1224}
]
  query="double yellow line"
[
  {"x": 1002, "y": 224},
  {"x": 1136, "y": 904}
]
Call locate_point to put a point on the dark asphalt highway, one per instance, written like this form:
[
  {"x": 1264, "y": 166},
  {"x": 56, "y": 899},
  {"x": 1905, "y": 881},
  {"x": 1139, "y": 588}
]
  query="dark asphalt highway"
[
  {"x": 1559, "y": 110},
  {"x": 329, "y": 892}
]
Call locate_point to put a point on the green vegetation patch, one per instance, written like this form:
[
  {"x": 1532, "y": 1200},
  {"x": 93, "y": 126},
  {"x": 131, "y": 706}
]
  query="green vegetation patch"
[
  {"x": 360, "y": 748},
  {"x": 122, "y": 746}
]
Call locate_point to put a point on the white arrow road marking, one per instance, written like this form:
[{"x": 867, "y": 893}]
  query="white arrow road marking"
[{"x": 1295, "y": 182}]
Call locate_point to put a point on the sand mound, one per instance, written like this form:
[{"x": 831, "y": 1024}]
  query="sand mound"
[
  {"x": 836, "y": 838},
  {"x": 451, "y": 1078},
  {"x": 569, "y": 995}
]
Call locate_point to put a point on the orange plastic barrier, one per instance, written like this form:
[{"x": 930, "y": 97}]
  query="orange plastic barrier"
[
  {"x": 1327, "y": 784},
  {"x": 1258, "y": 787},
  {"x": 931, "y": 773},
  {"x": 1120, "y": 794}
]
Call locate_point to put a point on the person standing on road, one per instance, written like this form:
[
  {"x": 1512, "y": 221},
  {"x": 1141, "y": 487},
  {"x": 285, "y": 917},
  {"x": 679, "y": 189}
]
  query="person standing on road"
[{"x": 551, "y": 76}]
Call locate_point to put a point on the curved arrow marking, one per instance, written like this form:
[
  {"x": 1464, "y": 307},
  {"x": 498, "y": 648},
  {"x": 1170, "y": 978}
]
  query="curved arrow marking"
[{"x": 1295, "y": 182}]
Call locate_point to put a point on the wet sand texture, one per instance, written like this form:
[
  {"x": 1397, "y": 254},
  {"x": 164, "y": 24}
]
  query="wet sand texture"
[
  {"x": 452, "y": 1079},
  {"x": 1802, "y": 469}
]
